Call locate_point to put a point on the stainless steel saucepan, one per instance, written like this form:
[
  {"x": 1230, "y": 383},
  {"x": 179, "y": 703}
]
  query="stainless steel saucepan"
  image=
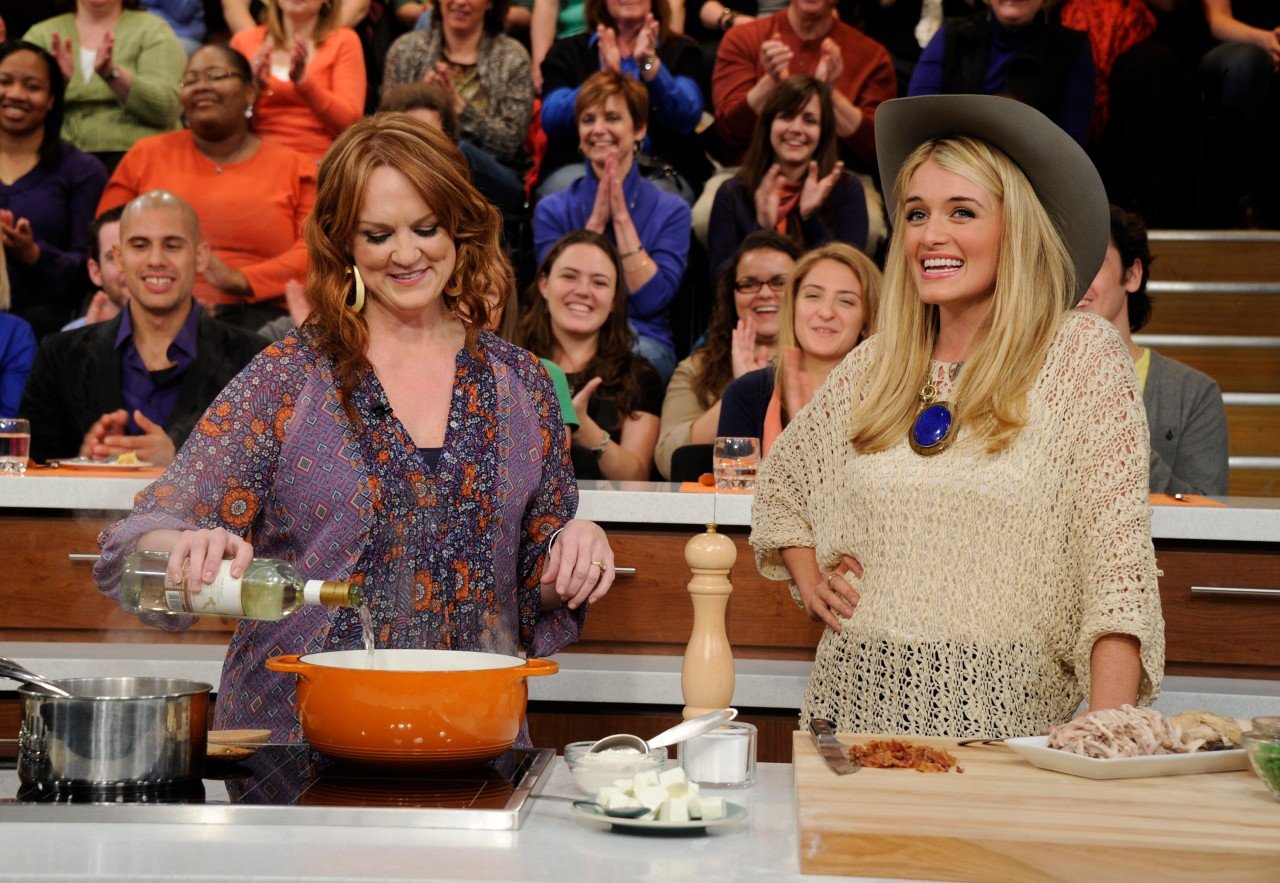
[{"x": 113, "y": 732}]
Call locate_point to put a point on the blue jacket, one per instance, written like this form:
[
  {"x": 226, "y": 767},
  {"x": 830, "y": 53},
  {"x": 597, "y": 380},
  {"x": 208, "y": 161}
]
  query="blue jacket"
[
  {"x": 662, "y": 221},
  {"x": 17, "y": 352}
]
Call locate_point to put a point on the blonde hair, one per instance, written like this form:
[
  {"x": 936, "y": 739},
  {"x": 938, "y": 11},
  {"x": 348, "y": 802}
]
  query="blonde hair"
[
  {"x": 1034, "y": 290},
  {"x": 328, "y": 21},
  {"x": 482, "y": 280},
  {"x": 869, "y": 280}
]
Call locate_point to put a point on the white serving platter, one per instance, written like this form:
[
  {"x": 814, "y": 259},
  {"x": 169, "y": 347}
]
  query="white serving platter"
[
  {"x": 1035, "y": 749},
  {"x": 733, "y": 812}
]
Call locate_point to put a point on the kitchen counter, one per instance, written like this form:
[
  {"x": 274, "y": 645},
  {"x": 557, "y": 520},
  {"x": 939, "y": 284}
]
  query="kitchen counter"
[
  {"x": 593, "y": 678},
  {"x": 1243, "y": 519},
  {"x": 550, "y": 846}
]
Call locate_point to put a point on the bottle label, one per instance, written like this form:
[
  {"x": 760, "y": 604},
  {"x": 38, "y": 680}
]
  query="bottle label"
[{"x": 222, "y": 597}]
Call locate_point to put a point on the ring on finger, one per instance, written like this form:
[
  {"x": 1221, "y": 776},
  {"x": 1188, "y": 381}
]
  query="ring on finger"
[{"x": 600, "y": 564}]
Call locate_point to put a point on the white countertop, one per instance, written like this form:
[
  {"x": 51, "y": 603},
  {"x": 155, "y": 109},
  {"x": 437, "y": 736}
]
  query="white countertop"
[
  {"x": 592, "y": 678},
  {"x": 551, "y": 845},
  {"x": 1244, "y": 519}
]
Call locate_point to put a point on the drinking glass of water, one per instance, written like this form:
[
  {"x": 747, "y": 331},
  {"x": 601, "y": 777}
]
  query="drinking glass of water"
[
  {"x": 15, "y": 445},
  {"x": 735, "y": 461}
]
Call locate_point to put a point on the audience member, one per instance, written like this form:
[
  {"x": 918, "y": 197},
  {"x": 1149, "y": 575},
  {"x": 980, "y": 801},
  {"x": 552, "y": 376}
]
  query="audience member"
[
  {"x": 139, "y": 382},
  {"x": 804, "y": 38},
  {"x": 1185, "y": 414},
  {"x": 1138, "y": 110},
  {"x": 48, "y": 190},
  {"x": 104, "y": 271},
  {"x": 121, "y": 69},
  {"x": 430, "y": 103},
  {"x": 1239, "y": 81},
  {"x": 1013, "y": 49},
  {"x": 552, "y": 20},
  {"x": 310, "y": 74},
  {"x": 711, "y": 18},
  {"x": 634, "y": 38},
  {"x": 577, "y": 317},
  {"x": 828, "y": 309},
  {"x": 17, "y": 349},
  {"x": 186, "y": 17},
  {"x": 741, "y": 337},
  {"x": 790, "y": 180},
  {"x": 251, "y": 195},
  {"x": 487, "y": 77},
  {"x": 649, "y": 227}
]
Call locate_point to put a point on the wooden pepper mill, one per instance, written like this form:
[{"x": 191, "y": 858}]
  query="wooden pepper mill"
[{"x": 706, "y": 678}]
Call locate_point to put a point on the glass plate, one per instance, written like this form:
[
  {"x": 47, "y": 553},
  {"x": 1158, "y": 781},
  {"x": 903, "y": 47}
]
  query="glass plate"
[
  {"x": 1036, "y": 750},
  {"x": 732, "y": 813}
]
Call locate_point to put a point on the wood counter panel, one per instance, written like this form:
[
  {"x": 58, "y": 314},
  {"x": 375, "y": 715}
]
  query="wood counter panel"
[
  {"x": 653, "y": 610},
  {"x": 45, "y": 596}
]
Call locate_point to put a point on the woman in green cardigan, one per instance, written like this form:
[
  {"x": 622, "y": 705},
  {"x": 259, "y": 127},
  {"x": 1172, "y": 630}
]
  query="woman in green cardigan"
[{"x": 122, "y": 68}]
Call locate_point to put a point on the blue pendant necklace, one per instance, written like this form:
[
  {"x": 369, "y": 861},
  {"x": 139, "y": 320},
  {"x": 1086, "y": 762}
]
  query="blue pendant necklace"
[{"x": 935, "y": 424}]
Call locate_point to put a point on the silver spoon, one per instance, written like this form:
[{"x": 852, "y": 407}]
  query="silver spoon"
[
  {"x": 17, "y": 672},
  {"x": 679, "y": 733},
  {"x": 633, "y": 812}
]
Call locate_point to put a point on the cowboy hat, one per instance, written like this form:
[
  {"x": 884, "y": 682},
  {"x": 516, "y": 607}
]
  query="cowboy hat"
[{"x": 1060, "y": 172}]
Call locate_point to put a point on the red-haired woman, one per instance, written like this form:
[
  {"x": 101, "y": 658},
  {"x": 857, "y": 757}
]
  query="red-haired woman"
[{"x": 392, "y": 442}]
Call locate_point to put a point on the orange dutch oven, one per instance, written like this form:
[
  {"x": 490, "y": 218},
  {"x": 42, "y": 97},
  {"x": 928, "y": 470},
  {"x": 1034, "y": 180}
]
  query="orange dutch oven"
[{"x": 414, "y": 709}]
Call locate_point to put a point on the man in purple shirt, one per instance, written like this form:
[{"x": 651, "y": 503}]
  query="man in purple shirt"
[{"x": 139, "y": 382}]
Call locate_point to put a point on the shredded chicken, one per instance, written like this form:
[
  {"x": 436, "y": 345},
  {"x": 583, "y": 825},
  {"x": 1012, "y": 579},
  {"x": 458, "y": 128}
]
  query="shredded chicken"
[
  {"x": 1121, "y": 732},
  {"x": 904, "y": 755}
]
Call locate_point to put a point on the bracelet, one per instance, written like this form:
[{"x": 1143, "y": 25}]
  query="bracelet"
[
  {"x": 631, "y": 254},
  {"x": 598, "y": 450},
  {"x": 726, "y": 19}
]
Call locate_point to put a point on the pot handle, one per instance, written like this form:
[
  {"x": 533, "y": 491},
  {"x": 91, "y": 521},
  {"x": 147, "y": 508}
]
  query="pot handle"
[
  {"x": 536, "y": 668},
  {"x": 288, "y": 662}
]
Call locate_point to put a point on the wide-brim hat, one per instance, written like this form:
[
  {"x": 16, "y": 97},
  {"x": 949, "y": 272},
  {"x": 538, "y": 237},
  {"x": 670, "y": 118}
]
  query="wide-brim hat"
[{"x": 1059, "y": 170}]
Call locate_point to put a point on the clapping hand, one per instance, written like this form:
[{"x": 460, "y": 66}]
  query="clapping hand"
[
  {"x": 815, "y": 190},
  {"x": 441, "y": 74},
  {"x": 647, "y": 48},
  {"x": 618, "y": 211},
  {"x": 610, "y": 54},
  {"x": 768, "y": 198},
  {"x": 298, "y": 61},
  {"x": 602, "y": 210},
  {"x": 224, "y": 277},
  {"x": 261, "y": 67},
  {"x": 18, "y": 238},
  {"x": 798, "y": 387},
  {"x": 580, "y": 564},
  {"x": 830, "y": 62},
  {"x": 101, "y": 309},
  {"x": 582, "y": 401},
  {"x": 745, "y": 355},
  {"x": 775, "y": 57},
  {"x": 103, "y": 60},
  {"x": 63, "y": 52}
]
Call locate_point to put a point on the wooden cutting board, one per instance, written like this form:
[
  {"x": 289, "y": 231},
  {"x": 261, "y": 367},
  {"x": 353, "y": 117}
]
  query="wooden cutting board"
[{"x": 1004, "y": 819}]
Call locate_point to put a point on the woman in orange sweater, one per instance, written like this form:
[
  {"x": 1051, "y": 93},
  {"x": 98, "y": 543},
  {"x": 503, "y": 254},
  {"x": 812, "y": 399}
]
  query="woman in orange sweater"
[
  {"x": 310, "y": 74},
  {"x": 251, "y": 195}
]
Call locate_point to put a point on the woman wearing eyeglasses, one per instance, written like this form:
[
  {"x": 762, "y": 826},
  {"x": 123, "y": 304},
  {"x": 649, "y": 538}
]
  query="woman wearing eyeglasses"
[
  {"x": 828, "y": 309},
  {"x": 251, "y": 195},
  {"x": 790, "y": 180},
  {"x": 742, "y": 336}
]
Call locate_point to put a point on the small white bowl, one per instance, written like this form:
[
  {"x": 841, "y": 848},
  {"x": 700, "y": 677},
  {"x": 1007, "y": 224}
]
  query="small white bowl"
[{"x": 602, "y": 770}]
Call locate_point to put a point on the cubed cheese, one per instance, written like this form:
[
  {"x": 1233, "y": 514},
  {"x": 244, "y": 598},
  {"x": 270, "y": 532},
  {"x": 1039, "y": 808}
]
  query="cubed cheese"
[
  {"x": 651, "y": 796},
  {"x": 622, "y": 801},
  {"x": 624, "y": 785},
  {"x": 676, "y": 809},
  {"x": 605, "y": 794},
  {"x": 711, "y": 808},
  {"x": 648, "y": 778},
  {"x": 673, "y": 778}
]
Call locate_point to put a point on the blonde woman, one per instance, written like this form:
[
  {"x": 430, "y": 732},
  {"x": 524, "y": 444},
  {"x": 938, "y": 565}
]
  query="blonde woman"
[
  {"x": 828, "y": 309},
  {"x": 964, "y": 502},
  {"x": 310, "y": 72}
]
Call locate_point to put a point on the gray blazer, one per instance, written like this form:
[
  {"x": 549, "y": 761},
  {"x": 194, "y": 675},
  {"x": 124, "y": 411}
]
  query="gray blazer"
[{"x": 1188, "y": 426}]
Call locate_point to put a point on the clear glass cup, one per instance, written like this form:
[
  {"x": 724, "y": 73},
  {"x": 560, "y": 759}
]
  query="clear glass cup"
[
  {"x": 735, "y": 461},
  {"x": 15, "y": 445},
  {"x": 722, "y": 758}
]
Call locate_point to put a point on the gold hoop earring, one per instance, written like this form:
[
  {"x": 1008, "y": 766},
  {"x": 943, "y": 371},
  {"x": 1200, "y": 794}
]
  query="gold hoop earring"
[{"x": 357, "y": 304}]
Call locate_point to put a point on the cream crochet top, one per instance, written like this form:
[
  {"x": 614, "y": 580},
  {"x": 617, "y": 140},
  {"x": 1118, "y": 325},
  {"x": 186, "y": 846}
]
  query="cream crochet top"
[{"x": 987, "y": 577}]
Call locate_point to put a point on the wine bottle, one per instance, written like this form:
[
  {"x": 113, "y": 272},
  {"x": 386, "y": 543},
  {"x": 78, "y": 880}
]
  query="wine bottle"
[{"x": 269, "y": 590}]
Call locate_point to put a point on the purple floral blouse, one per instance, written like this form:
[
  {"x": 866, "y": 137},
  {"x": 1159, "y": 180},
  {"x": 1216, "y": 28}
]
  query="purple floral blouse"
[{"x": 449, "y": 557}]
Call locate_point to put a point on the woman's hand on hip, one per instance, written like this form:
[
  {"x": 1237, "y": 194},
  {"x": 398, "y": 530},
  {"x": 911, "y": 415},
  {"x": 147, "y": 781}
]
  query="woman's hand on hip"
[
  {"x": 833, "y": 595},
  {"x": 580, "y": 564},
  {"x": 205, "y": 549}
]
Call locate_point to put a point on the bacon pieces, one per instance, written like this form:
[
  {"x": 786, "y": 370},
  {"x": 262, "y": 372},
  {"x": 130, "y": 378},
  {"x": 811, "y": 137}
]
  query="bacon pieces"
[{"x": 895, "y": 753}]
